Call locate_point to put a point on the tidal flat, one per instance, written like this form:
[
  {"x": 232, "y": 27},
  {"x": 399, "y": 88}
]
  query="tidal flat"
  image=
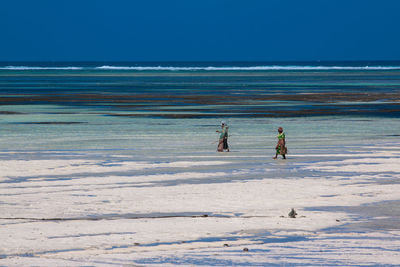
[{"x": 117, "y": 167}]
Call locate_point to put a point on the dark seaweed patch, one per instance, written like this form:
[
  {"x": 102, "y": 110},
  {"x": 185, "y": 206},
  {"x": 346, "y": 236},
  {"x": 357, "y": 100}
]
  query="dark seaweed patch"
[
  {"x": 51, "y": 122},
  {"x": 10, "y": 113}
]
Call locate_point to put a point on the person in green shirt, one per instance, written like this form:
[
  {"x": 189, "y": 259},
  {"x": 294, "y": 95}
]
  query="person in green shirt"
[
  {"x": 281, "y": 146},
  {"x": 223, "y": 138}
]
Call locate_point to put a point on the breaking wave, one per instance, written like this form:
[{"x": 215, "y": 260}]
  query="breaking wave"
[
  {"x": 38, "y": 68},
  {"x": 212, "y": 68},
  {"x": 205, "y": 68}
]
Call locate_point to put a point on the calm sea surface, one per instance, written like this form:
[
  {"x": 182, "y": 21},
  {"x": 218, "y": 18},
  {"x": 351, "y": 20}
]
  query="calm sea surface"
[{"x": 158, "y": 108}]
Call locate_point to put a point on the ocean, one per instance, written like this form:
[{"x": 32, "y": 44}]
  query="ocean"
[
  {"x": 126, "y": 102},
  {"x": 118, "y": 161}
]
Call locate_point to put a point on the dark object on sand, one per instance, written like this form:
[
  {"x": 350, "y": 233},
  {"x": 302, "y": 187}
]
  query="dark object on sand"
[
  {"x": 226, "y": 245},
  {"x": 246, "y": 249},
  {"x": 136, "y": 244},
  {"x": 292, "y": 213},
  {"x": 204, "y": 215}
]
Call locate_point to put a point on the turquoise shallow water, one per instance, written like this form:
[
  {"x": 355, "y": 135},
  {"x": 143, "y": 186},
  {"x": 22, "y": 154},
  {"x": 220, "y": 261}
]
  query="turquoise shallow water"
[
  {"x": 185, "y": 135},
  {"x": 179, "y": 109}
]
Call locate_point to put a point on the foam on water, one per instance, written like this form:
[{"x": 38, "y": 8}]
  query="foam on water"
[
  {"x": 38, "y": 68},
  {"x": 250, "y": 68},
  {"x": 206, "y": 68}
]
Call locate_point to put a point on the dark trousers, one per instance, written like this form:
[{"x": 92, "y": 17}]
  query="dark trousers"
[{"x": 226, "y": 143}]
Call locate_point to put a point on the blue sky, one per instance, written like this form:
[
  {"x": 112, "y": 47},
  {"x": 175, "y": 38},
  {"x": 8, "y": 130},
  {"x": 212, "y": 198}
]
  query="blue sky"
[{"x": 199, "y": 30}]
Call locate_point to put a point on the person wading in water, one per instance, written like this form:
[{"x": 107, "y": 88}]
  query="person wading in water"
[
  {"x": 223, "y": 138},
  {"x": 281, "y": 146}
]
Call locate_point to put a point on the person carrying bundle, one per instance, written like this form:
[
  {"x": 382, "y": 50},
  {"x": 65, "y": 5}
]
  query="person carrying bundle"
[
  {"x": 281, "y": 146},
  {"x": 223, "y": 138}
]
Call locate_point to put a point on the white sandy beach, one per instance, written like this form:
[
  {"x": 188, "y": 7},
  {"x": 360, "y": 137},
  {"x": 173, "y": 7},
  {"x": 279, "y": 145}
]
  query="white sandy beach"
[{"x": 74, "y": 209}]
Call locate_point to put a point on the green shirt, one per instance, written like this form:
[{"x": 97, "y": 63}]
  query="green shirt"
[
  {"x": 281, "y": 136},
  {"x": 224, "y": 133}
]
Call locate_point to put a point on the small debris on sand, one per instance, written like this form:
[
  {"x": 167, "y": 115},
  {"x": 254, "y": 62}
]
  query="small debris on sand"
[
  {"x": 226, "y": 245},
  {"x": 136, "y": 244},
  {"x": 245, "y": 249},
  {"x": 292, "y": 213}
]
